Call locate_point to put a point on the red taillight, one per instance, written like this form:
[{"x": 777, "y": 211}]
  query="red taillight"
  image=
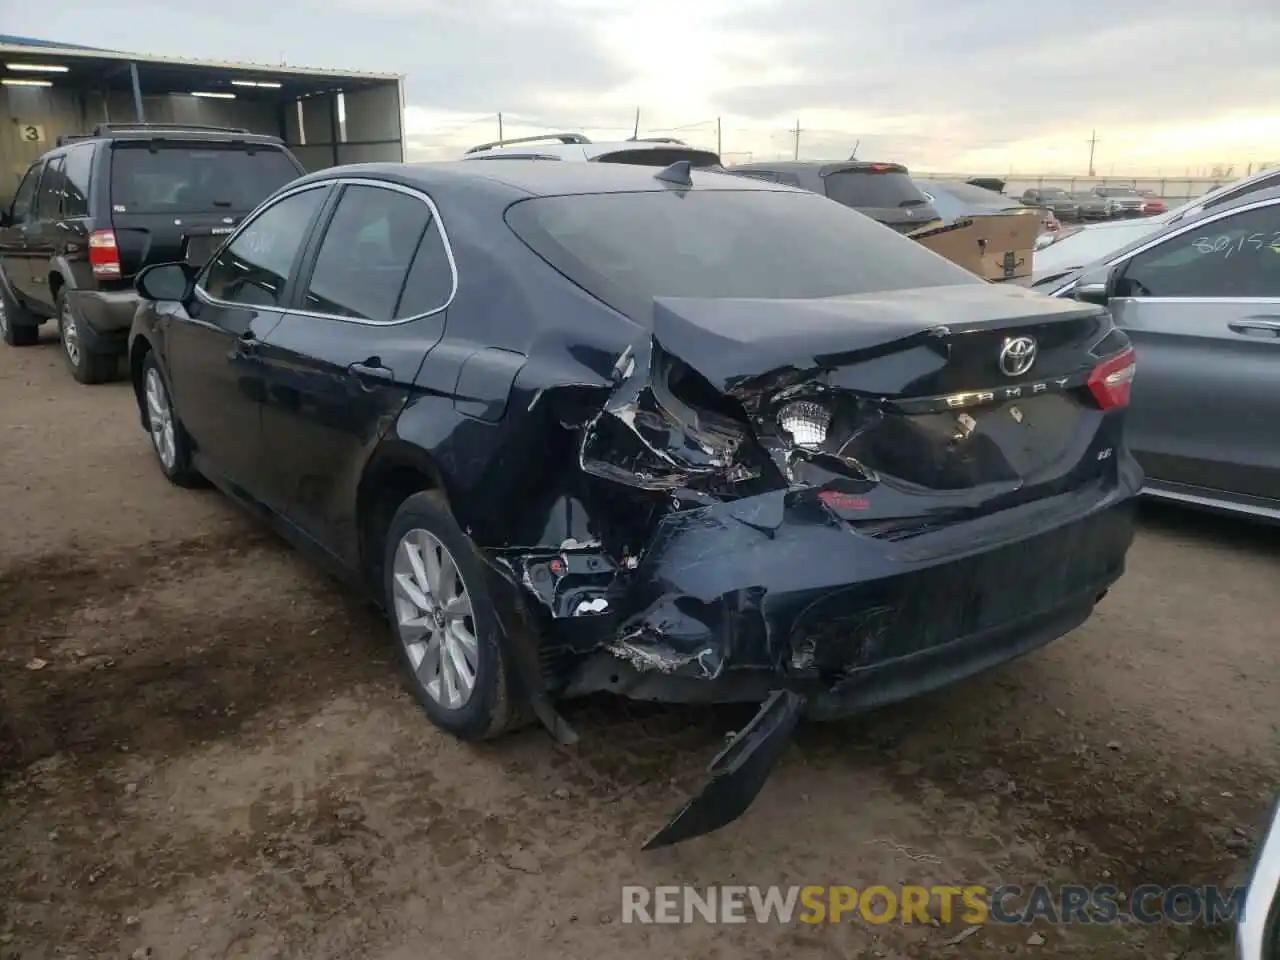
[
  {"x": 1112, "y": 379},
  {"x": 104, "y": 257}
]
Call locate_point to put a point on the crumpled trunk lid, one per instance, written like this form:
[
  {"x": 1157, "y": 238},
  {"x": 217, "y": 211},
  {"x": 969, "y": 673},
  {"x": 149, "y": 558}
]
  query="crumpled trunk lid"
[{"x": 908, "y": 391}]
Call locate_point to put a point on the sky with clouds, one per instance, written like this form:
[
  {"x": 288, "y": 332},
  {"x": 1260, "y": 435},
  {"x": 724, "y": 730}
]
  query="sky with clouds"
[{"x": 970, "y": 85}]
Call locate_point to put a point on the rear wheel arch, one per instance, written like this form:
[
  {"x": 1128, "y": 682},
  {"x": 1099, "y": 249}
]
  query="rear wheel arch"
[
  {"x": 396, "y": 472},
  {"x": 57, "y": 283}
]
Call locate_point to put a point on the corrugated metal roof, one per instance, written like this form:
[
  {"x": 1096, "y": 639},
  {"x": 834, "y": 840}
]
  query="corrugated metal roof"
[
  {"x": 9, "y": 40},
  {"x": 15, "y": 44}
]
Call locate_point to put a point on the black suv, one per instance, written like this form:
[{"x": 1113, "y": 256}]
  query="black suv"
[
  {"x": 881, "y": 191},
  {"x": 91, "y": 213}
]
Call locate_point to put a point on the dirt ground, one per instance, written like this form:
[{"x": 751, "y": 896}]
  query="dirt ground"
[{"x": 205, "y": 751}]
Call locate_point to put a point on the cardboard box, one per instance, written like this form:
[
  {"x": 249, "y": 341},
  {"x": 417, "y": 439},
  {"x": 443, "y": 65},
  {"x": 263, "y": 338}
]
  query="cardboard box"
[{"x": 995, "y": 246}]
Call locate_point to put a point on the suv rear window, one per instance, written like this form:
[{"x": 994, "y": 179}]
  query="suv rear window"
[
  {"x": 195, "y": 178},
  {"x": 873, "y": 189},
  {"x": 627, "y": 248}
]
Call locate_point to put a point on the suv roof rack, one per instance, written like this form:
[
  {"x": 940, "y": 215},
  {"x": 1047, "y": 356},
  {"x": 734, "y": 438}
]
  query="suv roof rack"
[
  {"x": 106, "y": 129},
  {"x": 656, "y": 140},
  {"x": 561, "y": 137}
]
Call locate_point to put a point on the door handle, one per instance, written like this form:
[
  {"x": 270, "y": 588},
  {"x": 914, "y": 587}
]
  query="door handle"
[
  {"x": 1251, "y": 326},
  {"x": 371, "y": 369}
]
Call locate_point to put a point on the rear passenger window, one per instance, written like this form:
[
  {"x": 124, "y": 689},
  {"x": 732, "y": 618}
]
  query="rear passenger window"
[
  {"x": 430, "y": 282},
  {"x": 49, "y": 204},
  {"x": 254, "y": 268},
  {"x": 75, "y": 188},
  {"x": 365, "y": 255}
]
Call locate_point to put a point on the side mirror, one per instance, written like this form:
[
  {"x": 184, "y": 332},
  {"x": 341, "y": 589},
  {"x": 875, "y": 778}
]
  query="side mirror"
[
  {"x": 166, "y": 281},
  {"x": 1095, "y": 286},
  {"x": 1258, "y": 929},
  {"x": 6, "y": 218}
]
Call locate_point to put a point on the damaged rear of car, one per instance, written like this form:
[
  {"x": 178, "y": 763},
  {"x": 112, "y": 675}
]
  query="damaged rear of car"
[
  {"x": 838, "y": 471},
  {"x": 675, "y": 435}
]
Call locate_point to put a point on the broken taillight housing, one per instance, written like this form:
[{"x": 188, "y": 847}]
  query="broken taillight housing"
[
  {"x": 1112, "y": 379},
  {"x": 806, "y": 422}
]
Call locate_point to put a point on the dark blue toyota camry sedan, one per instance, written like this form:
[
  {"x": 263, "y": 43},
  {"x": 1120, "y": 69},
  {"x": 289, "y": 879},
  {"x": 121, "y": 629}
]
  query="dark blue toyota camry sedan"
[{"x": 663, "y": 432}]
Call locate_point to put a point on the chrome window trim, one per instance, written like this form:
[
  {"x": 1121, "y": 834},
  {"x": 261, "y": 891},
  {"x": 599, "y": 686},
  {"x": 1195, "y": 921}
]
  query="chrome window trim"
[
  {"x": 1256, "y": 205},
  {"x": 203, "y": 295}
]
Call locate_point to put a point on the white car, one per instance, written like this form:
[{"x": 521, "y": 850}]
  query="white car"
[{"x": 656, "y": 152}]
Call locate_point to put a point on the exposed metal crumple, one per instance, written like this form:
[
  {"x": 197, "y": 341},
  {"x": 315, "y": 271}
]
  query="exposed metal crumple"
[{"x": 688, "y": 472}]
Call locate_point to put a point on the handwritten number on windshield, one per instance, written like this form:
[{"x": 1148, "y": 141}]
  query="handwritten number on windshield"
[{"x": 1226, "y": 245}]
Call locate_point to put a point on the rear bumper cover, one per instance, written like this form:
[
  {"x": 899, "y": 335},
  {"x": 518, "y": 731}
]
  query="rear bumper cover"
[
  {"x": 774, "y": 599},
  {"x": 738, "y": 599}
]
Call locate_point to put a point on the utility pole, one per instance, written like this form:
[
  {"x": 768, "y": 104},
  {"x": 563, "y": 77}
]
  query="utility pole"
[
  {"x": 635, "y": 133},
  {"x": 1093, "y": 142},
  {"x": 796, "y": 132},
  {"x": 499, "y": 129},
  {"x": 718, "y": 150}
]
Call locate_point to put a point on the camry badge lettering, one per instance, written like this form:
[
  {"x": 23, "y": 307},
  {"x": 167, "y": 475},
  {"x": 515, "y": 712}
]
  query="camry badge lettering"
[
  {"x": 957, "y": 400},
  {"x": 1017, "y": 356}
]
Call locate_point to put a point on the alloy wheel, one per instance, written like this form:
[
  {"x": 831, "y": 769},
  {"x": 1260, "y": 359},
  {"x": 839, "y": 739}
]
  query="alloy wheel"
[
  {"x": 434, "y": 619},
  {"x": 70, "y": 337},
  {"x": 4, "y": 317},
  {"x": 160, "y": 419}
]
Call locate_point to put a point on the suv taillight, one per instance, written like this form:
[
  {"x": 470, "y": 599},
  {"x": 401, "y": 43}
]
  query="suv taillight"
[
  {"x": 1112, "y": 379},
  {"x": 104, "y": 257}
]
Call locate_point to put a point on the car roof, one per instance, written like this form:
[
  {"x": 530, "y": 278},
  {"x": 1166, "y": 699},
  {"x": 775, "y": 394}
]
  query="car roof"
[{"x": 538, "y": 179}]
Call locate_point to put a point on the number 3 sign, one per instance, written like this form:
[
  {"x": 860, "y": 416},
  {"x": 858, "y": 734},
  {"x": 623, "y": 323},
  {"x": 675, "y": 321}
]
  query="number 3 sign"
[{"x": 31, "y": 133}]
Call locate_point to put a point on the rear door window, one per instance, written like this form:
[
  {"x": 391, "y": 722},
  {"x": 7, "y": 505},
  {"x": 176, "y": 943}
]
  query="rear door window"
[
  {"x": 365, "y": 255},
  {"x": 873, "y": 189},
  {"x": 165, "y": 177}
]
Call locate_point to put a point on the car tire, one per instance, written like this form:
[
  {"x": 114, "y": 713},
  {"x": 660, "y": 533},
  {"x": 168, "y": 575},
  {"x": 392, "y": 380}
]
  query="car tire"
[
  {"x": 429, "y": 645},
  {"x": 169, "y": 440},
  {"x": 18, "y": 328},
  {"x": 85, "y": 365}
]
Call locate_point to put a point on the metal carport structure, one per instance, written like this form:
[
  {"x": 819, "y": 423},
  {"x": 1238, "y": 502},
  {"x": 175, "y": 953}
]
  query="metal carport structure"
[{"x": 49, "y": 89}]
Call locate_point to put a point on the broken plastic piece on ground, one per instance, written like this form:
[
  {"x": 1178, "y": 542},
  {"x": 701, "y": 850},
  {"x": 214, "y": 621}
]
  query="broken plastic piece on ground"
[{"x": 737, "y": 773}]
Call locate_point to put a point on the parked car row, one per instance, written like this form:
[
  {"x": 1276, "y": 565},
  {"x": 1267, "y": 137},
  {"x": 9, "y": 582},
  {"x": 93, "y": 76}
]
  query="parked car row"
[{"x": 1099, "y": 203}]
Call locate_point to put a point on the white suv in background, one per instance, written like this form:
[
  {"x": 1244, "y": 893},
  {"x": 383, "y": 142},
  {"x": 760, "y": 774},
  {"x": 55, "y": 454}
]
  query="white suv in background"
[{"x": 656, "y": 152}]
